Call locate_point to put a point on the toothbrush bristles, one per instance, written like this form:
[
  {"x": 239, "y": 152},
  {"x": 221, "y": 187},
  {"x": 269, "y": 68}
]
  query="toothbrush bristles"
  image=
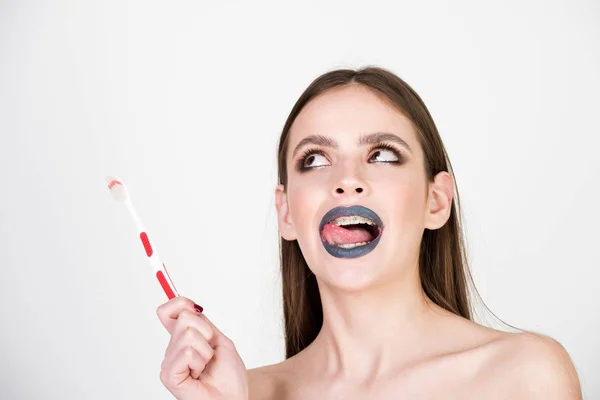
[
  {"x": 117, "y": 188},
  {"x": 113, "y": 183}
]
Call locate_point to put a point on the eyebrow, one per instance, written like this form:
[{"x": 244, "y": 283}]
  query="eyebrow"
[{"x": 367, "y": 139}]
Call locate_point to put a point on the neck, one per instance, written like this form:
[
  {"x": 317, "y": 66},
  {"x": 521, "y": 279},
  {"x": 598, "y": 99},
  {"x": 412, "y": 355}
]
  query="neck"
[{"x": 366, "y": 333}]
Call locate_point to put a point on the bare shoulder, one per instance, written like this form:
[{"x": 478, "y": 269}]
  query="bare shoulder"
[
  {"x": 533, "y": 366},
  {"x": 264, "y": 383}
]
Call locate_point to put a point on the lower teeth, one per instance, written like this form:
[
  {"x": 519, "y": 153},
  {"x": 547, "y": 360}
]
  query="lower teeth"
[{"x": 351, "y": 245}]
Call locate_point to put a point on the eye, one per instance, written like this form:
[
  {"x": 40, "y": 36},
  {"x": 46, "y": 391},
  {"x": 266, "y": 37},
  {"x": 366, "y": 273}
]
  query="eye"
[
  {"x": 385, "y": 153},
  {"x": 312, "y": 158},
  {"x": 380, "y": 153}
]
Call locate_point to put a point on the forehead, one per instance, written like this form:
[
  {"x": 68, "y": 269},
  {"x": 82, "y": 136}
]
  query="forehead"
[{"x": 346, "y": 113}]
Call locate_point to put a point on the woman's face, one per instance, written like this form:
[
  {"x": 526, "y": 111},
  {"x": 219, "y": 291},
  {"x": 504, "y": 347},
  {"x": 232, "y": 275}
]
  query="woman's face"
[{"x": 371, "y": 158}]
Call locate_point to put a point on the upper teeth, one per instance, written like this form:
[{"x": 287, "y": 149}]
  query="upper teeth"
[{"x": 351, "y": 220}]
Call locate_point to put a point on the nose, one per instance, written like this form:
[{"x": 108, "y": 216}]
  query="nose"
[
  {"x": 349, "y": 178},
  {"x": 350, "y": 184},
  {"x": 341, "y": 190}
]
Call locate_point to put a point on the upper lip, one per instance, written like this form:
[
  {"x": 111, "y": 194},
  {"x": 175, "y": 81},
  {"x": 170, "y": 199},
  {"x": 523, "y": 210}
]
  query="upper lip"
[{"x": 345, "y": 211}]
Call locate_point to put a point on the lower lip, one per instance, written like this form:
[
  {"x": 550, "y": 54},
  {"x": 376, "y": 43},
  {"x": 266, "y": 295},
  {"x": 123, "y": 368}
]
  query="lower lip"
[{"x": 354, "y": 252}]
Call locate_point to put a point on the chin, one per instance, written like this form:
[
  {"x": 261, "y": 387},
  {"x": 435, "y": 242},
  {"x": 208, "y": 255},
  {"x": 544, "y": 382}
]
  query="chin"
[{"x": 350, "y": 275}]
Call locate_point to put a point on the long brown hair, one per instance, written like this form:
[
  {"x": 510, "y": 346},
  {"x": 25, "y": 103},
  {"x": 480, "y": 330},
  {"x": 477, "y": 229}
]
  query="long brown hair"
[{"x": 443, "y": 267}]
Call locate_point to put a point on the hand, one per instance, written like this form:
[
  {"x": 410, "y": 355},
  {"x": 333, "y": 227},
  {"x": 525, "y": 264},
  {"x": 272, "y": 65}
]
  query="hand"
[{"x": 200, "y": 363}]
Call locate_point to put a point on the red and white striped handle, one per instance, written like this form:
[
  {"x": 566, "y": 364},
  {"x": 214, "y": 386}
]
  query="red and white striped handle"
[{"x": 161, "y": 271}]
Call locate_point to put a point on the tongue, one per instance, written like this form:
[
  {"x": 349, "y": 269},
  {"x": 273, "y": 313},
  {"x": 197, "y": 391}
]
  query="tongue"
[{"x": 336, "y": 235}]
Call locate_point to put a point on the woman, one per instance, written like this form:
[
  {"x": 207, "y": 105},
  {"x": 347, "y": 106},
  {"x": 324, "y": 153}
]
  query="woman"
[{"x": 375, "y": 278}]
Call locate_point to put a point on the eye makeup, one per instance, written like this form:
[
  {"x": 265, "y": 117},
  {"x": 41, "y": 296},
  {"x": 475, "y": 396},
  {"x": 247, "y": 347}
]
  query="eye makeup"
[{"x": 306, "y": 154}]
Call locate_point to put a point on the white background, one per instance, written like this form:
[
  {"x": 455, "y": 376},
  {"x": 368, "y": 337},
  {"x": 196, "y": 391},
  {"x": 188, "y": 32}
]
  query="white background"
[{"x": 185, "y": 100}]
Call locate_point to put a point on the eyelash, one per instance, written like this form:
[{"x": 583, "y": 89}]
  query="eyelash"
[{"x": 381, "y": 146}]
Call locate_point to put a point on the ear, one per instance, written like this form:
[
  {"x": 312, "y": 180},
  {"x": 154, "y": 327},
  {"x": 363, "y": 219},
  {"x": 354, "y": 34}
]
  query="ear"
[
  {"x": 286, "y": 227},
  {"x": 439, "y": 201}
]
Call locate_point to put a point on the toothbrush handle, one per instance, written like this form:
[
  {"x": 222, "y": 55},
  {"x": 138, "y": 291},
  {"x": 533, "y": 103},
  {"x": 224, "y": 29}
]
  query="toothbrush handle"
[
  {"x": 166, "y": 283},
  {"x": 161, "y": 271}
]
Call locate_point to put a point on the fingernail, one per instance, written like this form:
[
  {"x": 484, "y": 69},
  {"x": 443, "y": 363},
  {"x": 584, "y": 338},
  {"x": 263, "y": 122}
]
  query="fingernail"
[{"x": 198, "y": 308}]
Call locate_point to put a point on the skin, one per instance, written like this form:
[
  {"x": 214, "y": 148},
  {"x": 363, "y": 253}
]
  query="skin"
[
  {"x": 381, "y": 337},
  {"x": 200, "y": 361}
]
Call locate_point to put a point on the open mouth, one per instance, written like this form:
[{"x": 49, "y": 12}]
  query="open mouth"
[{"x": 350, "y": 231}]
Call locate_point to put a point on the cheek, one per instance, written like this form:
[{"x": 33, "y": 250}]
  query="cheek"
[
  {"x": 405, "y": 201},
  {"x": 305, "y": 199}
]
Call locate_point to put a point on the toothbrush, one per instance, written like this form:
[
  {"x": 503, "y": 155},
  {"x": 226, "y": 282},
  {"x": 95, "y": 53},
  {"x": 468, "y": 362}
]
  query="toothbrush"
[{"x": 119, "y": 192}]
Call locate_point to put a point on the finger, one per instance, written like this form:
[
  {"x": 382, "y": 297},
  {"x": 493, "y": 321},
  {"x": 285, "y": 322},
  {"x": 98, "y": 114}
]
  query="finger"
[
  {"x": 193, "y": 339},
  {"x": 219, "y": 338},
  {"x": 203, "y": 325},
  {"x": 187, "y": 320},
  {"x": 181, "y": 373},
  {"x": 169, "y": 311}
]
